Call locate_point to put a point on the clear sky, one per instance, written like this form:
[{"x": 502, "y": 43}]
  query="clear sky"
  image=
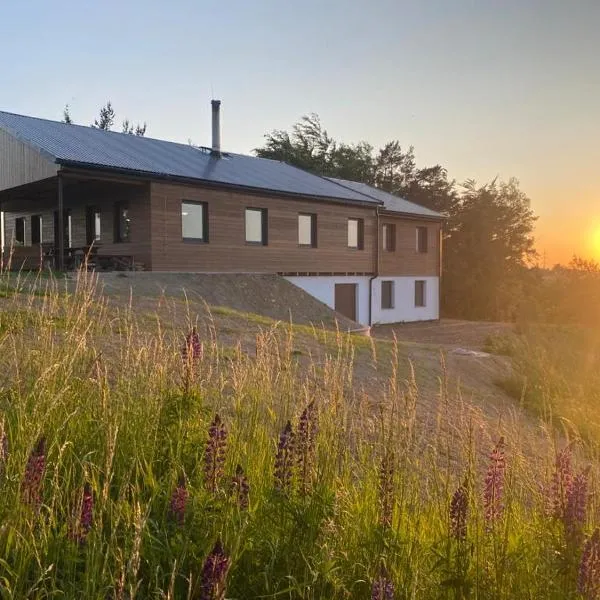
[{"x": 484, "y": 87}]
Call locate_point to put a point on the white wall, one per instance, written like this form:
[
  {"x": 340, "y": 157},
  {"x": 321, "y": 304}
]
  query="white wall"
[{"x": 323, "y": 289}]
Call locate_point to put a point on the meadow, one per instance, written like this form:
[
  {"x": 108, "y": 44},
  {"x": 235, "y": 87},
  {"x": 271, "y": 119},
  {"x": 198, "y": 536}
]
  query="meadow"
[{"x": 142, "y": 460}]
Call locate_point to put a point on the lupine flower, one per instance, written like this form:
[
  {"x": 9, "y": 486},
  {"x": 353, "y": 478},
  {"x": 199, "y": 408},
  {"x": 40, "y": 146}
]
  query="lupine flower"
[
  {"x": 34, "y": 473},
  {"x": 305, "y": 445},
  {"x": 3, "y": 449},
  {"x": 83, "y": 520},
  {"x": 214, "y": 574},
  {"x": 459, "y": 507},
  {"x": 240, "y": 488},
  {"x": 214, "y": 454},
  {"x": 178, "y": 501},
  {"x": 588, "y": 582},
  {"x": 386, "y": 489},
  {"x": 383, "y": 588},
  {"x": 192, "y": 349},
  {"x": 575, "y": 510},
  {"x": 494, "y": 485},
  {"x": 562, "y": 480},
  {"x": 284, "y": 459}
]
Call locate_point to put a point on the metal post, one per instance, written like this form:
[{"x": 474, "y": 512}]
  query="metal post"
[{"x": 61, "y": 227}]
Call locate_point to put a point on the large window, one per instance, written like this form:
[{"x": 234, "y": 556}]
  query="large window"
[
  {"x": 307, "y": 230},
  {"x": 194, "y": 221},
  {"x": 122, "y": 222},
  {"x": 93, "y": 225},
  {"x": 257, "y": 226},
  {"x": 356, "y": 233},
  {"x": 36, "y": 229},
  {"x": 422, "y": 243},
  {"x": 420, "y": 289},
  {"x": 388, "y": 237},
  {"x": 20, "y": 231},
  {"x": 387, "y": 294}
]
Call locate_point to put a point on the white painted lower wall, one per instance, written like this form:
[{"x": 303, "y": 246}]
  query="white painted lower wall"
[{"x": 404, "y": 309}]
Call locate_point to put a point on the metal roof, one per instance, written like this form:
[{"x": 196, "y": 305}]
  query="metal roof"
[
  {"x": 77, "y": 145},
  {"x": 390, "y": 201}
]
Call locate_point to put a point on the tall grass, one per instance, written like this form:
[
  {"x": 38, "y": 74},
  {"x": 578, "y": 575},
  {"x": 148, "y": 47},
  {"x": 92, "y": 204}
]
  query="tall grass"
[{"x": 211, "y": 473}]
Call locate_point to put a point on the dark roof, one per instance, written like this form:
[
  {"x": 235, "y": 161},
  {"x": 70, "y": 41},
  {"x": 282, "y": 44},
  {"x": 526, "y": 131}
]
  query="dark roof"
[
  {"x": 390, "y": 201},
  {"x": 76, "y": 145}
]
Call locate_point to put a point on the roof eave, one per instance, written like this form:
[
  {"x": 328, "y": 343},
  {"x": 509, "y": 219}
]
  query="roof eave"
[{"x": 414, "y": 216}]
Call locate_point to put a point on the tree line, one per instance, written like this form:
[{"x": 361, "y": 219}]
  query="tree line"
[{"x": 106, "y": 120}]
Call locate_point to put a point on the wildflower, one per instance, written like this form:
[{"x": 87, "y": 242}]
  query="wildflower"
[
  {"x": 386, "y": 489},
  {"x": 34, "y": 473},
  {"x": 459, "y": 506},
  {"x": 240, "y": 487},
  {"x": 83, "y": 520},
  {"x": 576, "y": 504},
  {"x": 284, "y": 459},
  {"x": 192, "y": 349},
  {"x": 588, "y": 582},
  {"x": 3, "y": 449},
  {"x": 178, "y": 501},
  {"x": 214, "y": 574},
  {"x": 305, "y": 445},
  {"x": 494, "y": 485},
  {"x": 383, "y": 588},
  {"x": 562, "y": 480},
  {"x": 214, "y": 454}
]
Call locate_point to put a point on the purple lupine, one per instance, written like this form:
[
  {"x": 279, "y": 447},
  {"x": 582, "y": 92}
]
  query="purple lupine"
[
  {"x": 386, "y": 489},
  {"x": 576, "y": 505},
  {"x": 562, "y": 480},
  {"x": 192, "y": 349},
  {"x": 31, "y": 485},
  {"x": 382, "y": 588},
  {"x": 214, "y": 574},
  {"x": 459, "y": 506},
  {"x": 84, "y": 517},
  {"x": 240, "y": 488},
  {"x": 494, "y": 485},
  {"x": 214, "y": 454},
  {"x": 305, "y": 445},
  {"x": 284, "y": 460},
  {"x": 588, "y": 582},
  {"x": 178, "y": 501}
]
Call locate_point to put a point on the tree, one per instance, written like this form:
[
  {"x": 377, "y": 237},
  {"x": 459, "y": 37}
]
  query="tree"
[
  {"x": 67, "y": 115},
  {"x": 139, "y": 130},
  {"x": 106, "y": 118}
]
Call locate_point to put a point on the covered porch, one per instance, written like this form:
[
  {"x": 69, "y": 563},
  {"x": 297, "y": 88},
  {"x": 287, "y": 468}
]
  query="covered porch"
[{"x": 105, "y": 221}]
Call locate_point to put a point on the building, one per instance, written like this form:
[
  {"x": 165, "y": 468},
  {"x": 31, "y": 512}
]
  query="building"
[{"x": 136, "y": 202}]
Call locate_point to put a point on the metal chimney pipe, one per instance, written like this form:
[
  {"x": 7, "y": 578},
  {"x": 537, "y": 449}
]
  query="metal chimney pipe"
[{"x": 216, "y": 127}]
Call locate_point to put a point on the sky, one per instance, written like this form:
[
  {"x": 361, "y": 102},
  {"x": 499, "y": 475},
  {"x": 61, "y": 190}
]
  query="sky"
[{"x": 486, "y": 88}]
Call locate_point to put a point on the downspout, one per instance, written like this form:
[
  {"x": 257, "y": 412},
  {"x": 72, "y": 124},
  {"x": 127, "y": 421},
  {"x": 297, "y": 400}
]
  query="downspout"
[{"x": 376, "y": 268}]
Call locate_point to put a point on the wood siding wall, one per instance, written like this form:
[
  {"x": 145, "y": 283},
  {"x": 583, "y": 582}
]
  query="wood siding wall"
[
  {"x": 405, "y": 260},
  {"x": 21, "y": 164},
  {"x": 227, "y": 249}
]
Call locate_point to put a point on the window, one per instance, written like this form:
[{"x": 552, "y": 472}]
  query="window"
[
  {"x": 387, "y": 294},
  {"x": 20, "y": 231},
  {"x": 307, "y": 230},
  {"x": 419, "y": 293},
  {"x": 93, "y": 223},
  {"x": 194, "y": 221},
  {"x": 388, "y": 237},
  {"x": 122, "y": 223},
  {"x": 356, "y": 233},
  {"x": 421, "y": 239},
  {"x": 36, "y": 229},
  {"x": 256, "y": 226}
]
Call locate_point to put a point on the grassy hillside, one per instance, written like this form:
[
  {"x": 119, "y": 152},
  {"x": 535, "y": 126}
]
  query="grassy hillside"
[{"x": 268, "y": 460}]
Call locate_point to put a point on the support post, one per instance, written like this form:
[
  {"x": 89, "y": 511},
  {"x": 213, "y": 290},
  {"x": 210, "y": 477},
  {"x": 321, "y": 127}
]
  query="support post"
[{"x": 61, "y": 226}]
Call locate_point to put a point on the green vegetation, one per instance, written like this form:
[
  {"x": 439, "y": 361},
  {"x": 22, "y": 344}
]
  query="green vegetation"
[{"x": 134, "y": 469}]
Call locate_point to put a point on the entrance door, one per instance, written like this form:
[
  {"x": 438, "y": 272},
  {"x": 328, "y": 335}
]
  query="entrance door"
[{"x": 345, "y": 299}]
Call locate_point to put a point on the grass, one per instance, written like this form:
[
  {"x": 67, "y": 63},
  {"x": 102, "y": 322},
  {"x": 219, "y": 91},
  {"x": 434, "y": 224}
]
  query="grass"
[{"x": 372, "y": 480}]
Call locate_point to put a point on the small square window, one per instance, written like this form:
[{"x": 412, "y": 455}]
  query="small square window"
[
  {"x": 387, "y": 294},
  {"x": 388, "y": 237},
  {"x": 422, "y": 243},
  {"x": 307, "y": 230},
  {"x": 257, "y": 226},
  {"x": 420, "y": 289},
  {"x": 356, "y": 230},
  {"x": 194, "y": 221}
]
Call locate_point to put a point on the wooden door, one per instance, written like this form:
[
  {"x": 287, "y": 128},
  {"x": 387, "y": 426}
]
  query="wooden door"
[{"x": 345, "y": 299}]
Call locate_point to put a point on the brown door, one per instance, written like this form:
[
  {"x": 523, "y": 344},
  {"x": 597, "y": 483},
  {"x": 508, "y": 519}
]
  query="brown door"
[{"x": 345, "y": 299}]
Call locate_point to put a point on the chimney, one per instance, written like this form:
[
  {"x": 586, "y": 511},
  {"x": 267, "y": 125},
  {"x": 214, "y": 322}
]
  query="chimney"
[{"x": 216, "y": 127}]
